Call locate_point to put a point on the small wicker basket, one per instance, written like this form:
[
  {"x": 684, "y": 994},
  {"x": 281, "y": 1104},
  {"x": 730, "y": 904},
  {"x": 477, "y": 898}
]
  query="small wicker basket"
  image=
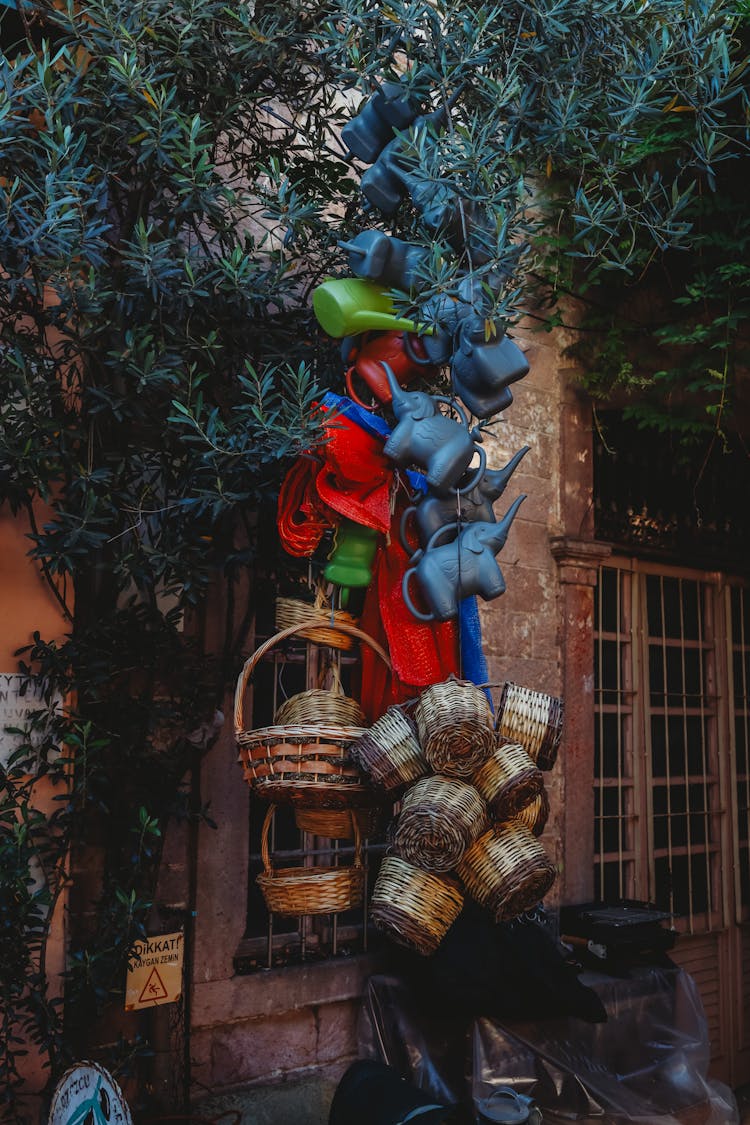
[
  {"x": 389, "y": 752},
  {"x": 535, "y": 815},
  {"x": 328, "y": 706},
  {"x": 533, "y": 719},
  {"x": 507, "y": 870},
  {"x": 306, "y": 764},
  {"x": 415, "y": 908},
  {"x": 454, "y": 721},
  {"x": 336, "y": 824},
  {"x": 439, "y": 818},
  {"x": 310, "y": 890},
  {"x": 321, "y": 621},
  {"x": 508, "y": 780}
]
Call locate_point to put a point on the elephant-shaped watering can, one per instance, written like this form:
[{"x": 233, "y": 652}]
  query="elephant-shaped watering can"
[
  {"x": 423, "y": 436},
  {"x": 391, "y": 107},
  {"x": 377, "y": 256},
  {"x": 482, "y": 370},
  {"x": 466, "y": 566},
  {"x": 470, "y": 506}
]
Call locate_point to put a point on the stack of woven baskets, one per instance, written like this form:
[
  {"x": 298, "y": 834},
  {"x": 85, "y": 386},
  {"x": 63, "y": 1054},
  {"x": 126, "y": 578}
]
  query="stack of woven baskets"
[
  {"x": 473, "y": 804},
  {"x": 302, "y": 760}
]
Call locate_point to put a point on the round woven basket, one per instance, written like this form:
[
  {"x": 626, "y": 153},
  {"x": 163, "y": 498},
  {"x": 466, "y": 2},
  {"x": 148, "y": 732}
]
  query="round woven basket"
[
  {"x": 533, "y": 719},
  {"x": 506, "y": 870},
  {"x": 439, "y": 818},
  {"x": 321, "y": 622},
  {"x": 414, "y": 907},
  {"x": 310, "y": 890},
  {"x": 307, "y": 764},
  {"x": 508, "y": 780},
  {"x": 337, "y": 824},
  {"x": 454, "y": 722},
  {"x": 331, "y": 708},
  {"x": 389, "y": 752},
  {"x": 535, "y": 815}
]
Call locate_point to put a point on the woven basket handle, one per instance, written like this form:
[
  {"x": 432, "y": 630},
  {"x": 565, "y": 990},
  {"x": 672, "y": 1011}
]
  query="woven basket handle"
[
  {"x": 265, "y": 851},
  {"x": 250, "y": 664}
]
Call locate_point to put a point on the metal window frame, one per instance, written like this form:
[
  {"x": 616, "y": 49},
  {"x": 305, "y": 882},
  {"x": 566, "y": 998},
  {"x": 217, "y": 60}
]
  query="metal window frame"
[{"x": 637, "y": 854}]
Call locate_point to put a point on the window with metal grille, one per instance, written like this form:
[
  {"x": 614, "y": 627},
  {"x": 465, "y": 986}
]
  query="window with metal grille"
[
  {"x": 672, "y": 664},
  {"x": 274, "y": 940}
]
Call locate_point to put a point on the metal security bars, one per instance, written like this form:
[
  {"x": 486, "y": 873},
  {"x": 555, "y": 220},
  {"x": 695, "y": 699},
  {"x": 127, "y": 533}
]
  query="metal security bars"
[
  {"x": 661, "y": 752},
  {"x": 738, "y": 647}
]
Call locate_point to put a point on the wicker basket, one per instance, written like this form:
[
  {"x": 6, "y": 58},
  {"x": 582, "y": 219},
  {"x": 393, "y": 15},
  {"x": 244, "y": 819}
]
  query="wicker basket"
[
  {"x": 507, "y": 870},
  {"x": 308, "y": 764},
  {"x": 508, "y": 780},
  {"x": 320, "y": 620},
  {"x": 535, "y": 815},
  {"x": 533, "y": 719},
  {"x": 454, "y": 721},
  {"x": 439, "y": 818},
  {"x": 336, "y": 824},
  {"x": 389, "y": 752},
  {"x": 415, "y": 908},
  {"x": 330, "y": 707},
  {"x": 310, "y": 890}
]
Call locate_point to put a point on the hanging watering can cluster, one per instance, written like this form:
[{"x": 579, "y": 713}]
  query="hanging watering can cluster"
[
  {"x": 401, "y": 488},
  {"x": 432, "y": 448}
]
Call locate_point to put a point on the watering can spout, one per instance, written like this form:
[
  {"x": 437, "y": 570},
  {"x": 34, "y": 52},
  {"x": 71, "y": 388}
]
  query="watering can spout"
[
  {"x": 503, "y": 526},
  {"x": 507, "y": 471},
  {"x": 351, "y": 248}
]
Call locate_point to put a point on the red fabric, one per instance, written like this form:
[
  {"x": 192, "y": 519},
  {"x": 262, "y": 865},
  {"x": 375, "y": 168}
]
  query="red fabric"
[
  {"x": 356, "y": 476},
  {"x": 421, "y": 653},
  {"x": 301, "y": 517}
]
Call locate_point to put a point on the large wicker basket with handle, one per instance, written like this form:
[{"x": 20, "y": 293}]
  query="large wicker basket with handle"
[
  {"x": 310, "y": 890},
  {"x": 416, "y": 908},
  {"x": 304, "y": 764},
  {"x": 507, "y": 870}
]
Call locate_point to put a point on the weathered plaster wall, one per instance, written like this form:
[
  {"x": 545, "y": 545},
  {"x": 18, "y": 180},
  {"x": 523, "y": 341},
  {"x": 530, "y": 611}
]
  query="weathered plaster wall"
[{"x": 27, "y": 604}]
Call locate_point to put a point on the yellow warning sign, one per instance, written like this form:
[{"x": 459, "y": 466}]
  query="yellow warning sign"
[{"x": 154, "y": 971}]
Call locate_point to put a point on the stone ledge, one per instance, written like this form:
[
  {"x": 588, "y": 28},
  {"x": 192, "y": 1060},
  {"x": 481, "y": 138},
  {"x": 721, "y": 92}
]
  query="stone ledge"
[{"x": 271, "y": 992}]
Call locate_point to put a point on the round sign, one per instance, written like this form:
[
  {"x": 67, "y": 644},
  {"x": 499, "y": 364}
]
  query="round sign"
[{"x": 87, "y": 1094}]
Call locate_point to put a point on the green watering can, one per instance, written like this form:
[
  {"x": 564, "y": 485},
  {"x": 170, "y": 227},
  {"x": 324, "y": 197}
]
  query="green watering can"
[
  {"x": 347, "y": 306},
  {"x": 350, "y": 561}
]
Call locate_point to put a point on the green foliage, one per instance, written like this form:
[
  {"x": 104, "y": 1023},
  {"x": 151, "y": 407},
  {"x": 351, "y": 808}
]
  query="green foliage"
[{"x": 172, "y": 187}]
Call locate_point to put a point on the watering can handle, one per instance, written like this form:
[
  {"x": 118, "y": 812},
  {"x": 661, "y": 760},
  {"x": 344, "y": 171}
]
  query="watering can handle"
[
  {"x": 477, "y": 476},
  {"x": 403, "y": 532},
  {"x": 453, "y": 403},
  {"x": 352, "y": 393},
  {"x": 420, "y": 361},
  {"x": 407, "y": 598}
]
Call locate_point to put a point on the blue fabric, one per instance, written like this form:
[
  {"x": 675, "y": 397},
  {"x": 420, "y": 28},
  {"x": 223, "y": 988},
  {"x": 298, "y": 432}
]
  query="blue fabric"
[
  {"x": 473, "y": 662},
  {"x": 371, "y": 423}
]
